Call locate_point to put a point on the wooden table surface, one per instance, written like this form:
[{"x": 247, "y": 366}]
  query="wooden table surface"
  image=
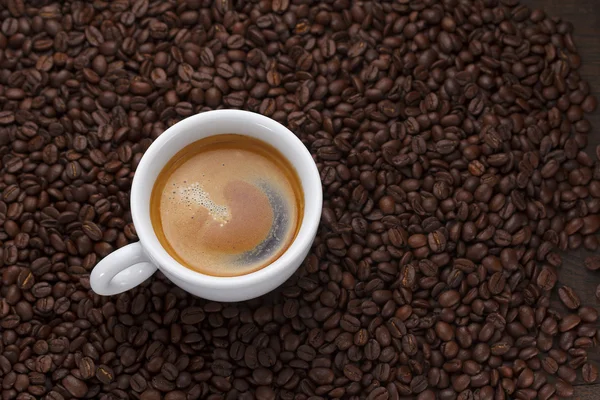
[{"x": 585, "y": 16}]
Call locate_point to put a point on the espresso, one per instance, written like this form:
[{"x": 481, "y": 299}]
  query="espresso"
[{"x": 227, "y": 205}]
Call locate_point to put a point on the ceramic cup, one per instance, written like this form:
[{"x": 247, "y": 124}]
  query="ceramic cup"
[{"x": 131, "y": 265}]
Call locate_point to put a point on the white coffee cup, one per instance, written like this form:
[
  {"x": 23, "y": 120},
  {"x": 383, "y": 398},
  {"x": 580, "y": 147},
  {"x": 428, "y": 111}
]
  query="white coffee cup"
[{"x": 131, "y": 265}]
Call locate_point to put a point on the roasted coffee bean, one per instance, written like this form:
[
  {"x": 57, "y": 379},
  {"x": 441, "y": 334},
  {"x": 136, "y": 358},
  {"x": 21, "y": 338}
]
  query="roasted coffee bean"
[
  {"x": 588, "y": 314},
  {"x": 192, "y": 315},
  {"x": 450, "y": 141},
  {"x": 564, "y": 389},
  {"x": 550, "y": 365},
  {"x": 569, "y": 322},
  {"x": 569, "y": 297},
  {"x": 74, "y": 386},
  {"x": 92, "y": 230},
  {"x": 105, "y": 374},
  {"x": 592, "y": 263},
  {"x": 169, "y": 371},
  {"x": 87, "y": 368},
  {"x": 162, "y": 384},
  {"x": 496, "y": 283},
  {"x": 589, "y": 372},
  {"x": 353, "y": 373}
]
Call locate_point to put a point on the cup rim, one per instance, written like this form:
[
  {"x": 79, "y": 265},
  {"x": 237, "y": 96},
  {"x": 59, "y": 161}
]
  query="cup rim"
[{"x": 311, "y": 186}]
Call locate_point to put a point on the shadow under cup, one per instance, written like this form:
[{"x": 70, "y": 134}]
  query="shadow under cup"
[{"x": 214, "y": 123}]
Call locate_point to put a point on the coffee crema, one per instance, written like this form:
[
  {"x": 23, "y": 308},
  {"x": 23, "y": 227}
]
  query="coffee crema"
[{"x": 227, "y": 205}]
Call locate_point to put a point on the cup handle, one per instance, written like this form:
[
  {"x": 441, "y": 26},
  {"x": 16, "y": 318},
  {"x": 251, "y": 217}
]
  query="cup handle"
[{"x": 121, "y": 270}]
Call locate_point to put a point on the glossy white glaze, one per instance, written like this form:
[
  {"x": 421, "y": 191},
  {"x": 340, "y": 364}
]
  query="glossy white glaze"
[{"x": 132, "y": 264}]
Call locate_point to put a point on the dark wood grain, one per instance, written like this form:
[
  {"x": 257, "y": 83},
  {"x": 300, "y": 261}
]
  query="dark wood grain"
[
  {"x": 587, "y": 392},
  {"x": 585, "y": 16}
]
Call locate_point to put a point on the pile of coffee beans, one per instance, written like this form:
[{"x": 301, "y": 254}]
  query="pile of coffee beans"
[{"x": 449, "y": 135}]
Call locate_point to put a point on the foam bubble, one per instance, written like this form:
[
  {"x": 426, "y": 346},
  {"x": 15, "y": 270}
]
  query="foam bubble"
[
  {"x": 232, "y": 219},
  {"x": 194, "y": 195}
]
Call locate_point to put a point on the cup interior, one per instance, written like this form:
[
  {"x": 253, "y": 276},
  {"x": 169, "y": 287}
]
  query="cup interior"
[{"x": 213, "y": 123}]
